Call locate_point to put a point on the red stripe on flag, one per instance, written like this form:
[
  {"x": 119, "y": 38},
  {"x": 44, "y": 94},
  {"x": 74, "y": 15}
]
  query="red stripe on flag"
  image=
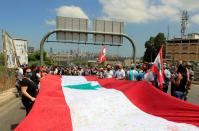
[
  {"x": 153, "y": 101},
  {"x": 50, "y": 111}
]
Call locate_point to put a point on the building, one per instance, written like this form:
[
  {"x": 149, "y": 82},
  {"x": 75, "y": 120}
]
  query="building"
[
  {"x": 31, "y": 49},
  {"x": 186, "y": 49}
]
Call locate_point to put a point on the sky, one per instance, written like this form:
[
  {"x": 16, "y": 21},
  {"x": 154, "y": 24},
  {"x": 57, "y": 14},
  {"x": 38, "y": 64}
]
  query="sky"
[{"x": 31, "y": 19}]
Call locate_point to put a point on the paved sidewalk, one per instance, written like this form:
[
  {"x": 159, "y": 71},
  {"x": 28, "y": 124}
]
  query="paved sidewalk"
[{"x": 7, "y": 95}]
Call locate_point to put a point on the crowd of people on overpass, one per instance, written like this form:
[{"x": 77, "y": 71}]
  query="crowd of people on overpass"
[{"x": 180, "y": 78}]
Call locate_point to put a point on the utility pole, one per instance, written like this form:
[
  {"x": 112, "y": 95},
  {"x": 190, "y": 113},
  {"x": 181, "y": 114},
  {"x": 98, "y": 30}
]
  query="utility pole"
[{"x": 168, "y": 32}]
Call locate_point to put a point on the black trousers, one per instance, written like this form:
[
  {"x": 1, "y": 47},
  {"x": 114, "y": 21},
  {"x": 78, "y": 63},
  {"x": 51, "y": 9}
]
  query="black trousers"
[
  {"x": 165, "y": 88},
  {"x": 28, "y": 105}
]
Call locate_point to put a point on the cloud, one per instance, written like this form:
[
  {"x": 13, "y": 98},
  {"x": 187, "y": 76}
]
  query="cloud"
[
  {"x": 143, "y": 11},
  {"x": 136, "y": 11},
  {"x": 195, "y": 19},
  {"x": 50, "y": 22},
  {"x": 67, "y": 11},
  {"x": 71, "y": 11},
  {"x": 189, "y": 5},
  {"x": 192, "y": 6}
]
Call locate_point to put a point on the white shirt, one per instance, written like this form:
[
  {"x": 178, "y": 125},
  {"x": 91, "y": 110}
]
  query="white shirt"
[
  {"x": 149, "y": 76},
  {"x": 120, "y": 73},
  {"x": 108, "y": 74},
  {"x": 19, "y": 74}
]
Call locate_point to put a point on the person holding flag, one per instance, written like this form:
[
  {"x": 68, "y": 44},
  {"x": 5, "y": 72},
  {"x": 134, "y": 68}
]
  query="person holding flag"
[
  {"x": 157, "y": 69},
  {"x": 102, "y": 55}
]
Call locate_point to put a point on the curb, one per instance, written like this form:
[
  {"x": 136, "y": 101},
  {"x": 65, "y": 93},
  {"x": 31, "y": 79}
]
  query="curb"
[
  {"x": 196, "y": 82},
  {"x": 7, "y": 95}
]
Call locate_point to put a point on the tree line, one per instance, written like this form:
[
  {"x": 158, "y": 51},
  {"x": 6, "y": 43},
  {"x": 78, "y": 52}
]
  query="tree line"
[{"x": 152, "y": 47}]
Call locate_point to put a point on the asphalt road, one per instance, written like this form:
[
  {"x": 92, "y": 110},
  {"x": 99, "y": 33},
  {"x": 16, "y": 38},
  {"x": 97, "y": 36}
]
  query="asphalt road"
[
  {"x": 12, "y": 113},
  {"x": 193, "y": 96}
]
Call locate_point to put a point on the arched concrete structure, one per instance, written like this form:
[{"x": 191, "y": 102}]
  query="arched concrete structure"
[{"x": 87, "y": 32}]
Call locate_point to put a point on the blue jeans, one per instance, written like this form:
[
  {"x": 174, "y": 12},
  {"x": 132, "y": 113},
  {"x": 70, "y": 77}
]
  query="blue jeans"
[{"x": 179, "y": 95}]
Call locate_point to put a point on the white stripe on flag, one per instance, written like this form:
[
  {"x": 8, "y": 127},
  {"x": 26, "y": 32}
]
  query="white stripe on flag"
[{"x": 110, "y": 110}]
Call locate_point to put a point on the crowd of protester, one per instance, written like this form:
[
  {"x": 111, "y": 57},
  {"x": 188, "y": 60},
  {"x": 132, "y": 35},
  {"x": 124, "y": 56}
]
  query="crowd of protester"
[{"x": 179, "y": 78}]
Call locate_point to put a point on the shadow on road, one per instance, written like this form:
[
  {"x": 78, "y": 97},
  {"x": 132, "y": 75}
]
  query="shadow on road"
[
  {"x": 22, "y": 108},
  {"x": 13, "y": 126}
]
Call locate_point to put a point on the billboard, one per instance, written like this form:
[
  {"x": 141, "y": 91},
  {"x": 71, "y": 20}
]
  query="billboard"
[
  {"x": 9, "y": 51},
  {"x": 69, "y": 23},
  {"x": 21, "y": 50},
  {"x": 15, "y": 51},
  {"x": 108, "y": 27}
]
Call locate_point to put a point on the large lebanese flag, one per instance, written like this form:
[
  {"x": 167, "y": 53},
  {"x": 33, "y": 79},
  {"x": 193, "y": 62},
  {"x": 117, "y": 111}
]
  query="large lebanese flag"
[{"x": 90, "y": 104}]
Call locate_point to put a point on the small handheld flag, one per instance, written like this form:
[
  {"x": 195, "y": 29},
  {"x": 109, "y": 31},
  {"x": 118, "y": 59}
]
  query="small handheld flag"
[
  {"x": 102, "y": 55},
  {"x": 157, "y": 68}
]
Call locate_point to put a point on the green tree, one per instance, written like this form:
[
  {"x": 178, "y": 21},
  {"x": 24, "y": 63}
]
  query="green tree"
[
  {"x": 34, "y": 58},
  {"x": 153, "y": 46},
  {"x": 159, "y": 40},
  {"x": 31, "y": 57},
  {"x": 1, "y": 56},
  {"x": 1, "y": 59},
  {"x": 150, "y": 42}
]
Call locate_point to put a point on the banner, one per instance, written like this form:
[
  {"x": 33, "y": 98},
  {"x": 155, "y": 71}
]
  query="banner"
[
  {"x": 21, "y": 51},
  {"x": 9, "y": 51},
  {"x": 77, "y": 103}
]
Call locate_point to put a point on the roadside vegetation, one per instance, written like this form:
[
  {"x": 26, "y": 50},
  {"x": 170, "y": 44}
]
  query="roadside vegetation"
[{"x": 7, "y": 78}]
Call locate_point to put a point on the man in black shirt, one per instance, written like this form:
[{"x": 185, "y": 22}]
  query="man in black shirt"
[{"x": 29, "y": 91}]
